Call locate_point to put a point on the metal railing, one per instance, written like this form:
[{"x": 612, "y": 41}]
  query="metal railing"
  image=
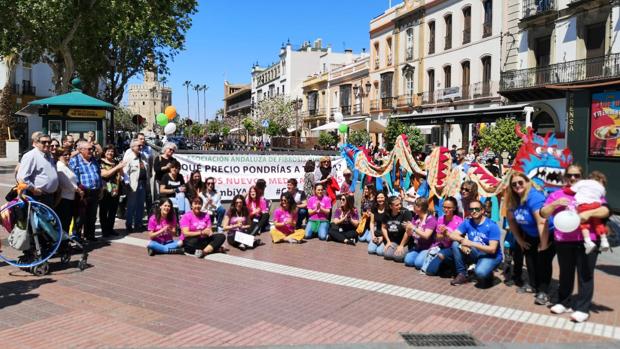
[
  {"x": 313, "y": 112},
  {"x": 599, "y": 68},
  {"x": 484, "y": 89},
  {"x": 29, "y": 90},
  {"x": 239, "y": 105},
  {"x": 466, "y": 36},
  {"x": 375, "y": 106},
  {"x": 404, "y": 101},
  {"x": 536, "y": 7},
  {"x": 345, "y": 109},
  {"x": 387, "y": 103},
  {"x": 487, "y": 29},
  {"x": 447, "y": 42}
]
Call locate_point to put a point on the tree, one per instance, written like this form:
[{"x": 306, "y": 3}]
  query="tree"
[
  {"x": 214, "y": 126},
  {"x": 359, "y": 138},
  {"x": 249, "y": 125},
  {"x": 278, "y": 111},
  {"x": 414, "y": 136},
  {"x": 501, "y": 137},
  {"x": 327, "y": 139},
  {"x": 123, "y": 120}
]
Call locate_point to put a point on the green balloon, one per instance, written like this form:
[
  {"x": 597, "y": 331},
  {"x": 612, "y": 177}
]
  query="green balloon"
[
  {"x": 343, "y": 128},
  {"x": 162, "y": 119}
]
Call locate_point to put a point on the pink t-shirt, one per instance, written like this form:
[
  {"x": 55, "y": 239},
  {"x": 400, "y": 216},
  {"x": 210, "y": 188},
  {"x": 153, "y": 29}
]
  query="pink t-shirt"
[
  {"x": 262, "y": 203},
  {"x": 566, "y": 237},
  {"x": 313, "y": 204},
  {"x": 452, "y": 225},
  {"x": 234, "y": 220},
  {"x": 155, "y": 226},
  {"x": 281, "y": 216},
  {"x": 194, "y": 223}
]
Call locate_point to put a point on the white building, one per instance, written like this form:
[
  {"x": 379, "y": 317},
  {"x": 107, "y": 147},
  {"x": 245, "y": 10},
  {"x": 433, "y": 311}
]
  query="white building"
[{"x": 149, "y": 99}]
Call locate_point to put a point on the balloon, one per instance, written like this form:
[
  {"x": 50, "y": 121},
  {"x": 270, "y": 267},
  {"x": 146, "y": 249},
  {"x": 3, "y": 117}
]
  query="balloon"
[
  {"x": 343, "y": 128},
  {"x": 170, "y": 128},
  {"x": 171, "y": 112},
  {"x": 162, "y": 119},
  {"x": 338, "y": 117},
  {"x": 566, "y": 221}
]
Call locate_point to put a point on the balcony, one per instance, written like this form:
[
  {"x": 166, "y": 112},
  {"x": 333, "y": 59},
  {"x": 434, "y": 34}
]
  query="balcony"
[
  {"x": 583, "y": 70},
  {"x": 345, "y": 109},
  {"x": 455, "y": 94},
  {"x": 313, "y": 112},
  {"x": 408, "y": 101},
  {"x": 428, "y": 97},
  {"x": 532, "y": 8},
  {"x": 240, "y": 105},
  {"x": 29, "y": 90},
  {"x": 387, "y": 103},
  {"x": 375, "y": 106},
  {"x": 487, "y": 29},
  {"x": 466, "y": 36},
  {"x": 447, "y": 42}
]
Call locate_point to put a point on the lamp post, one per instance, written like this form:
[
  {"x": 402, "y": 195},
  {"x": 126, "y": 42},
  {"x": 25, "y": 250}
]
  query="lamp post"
[
  {"x": 204, "y": 89},
  {"x": 298, "y": 103}
]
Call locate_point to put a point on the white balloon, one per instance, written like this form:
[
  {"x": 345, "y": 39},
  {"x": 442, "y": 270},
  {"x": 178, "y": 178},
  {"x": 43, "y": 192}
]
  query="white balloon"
[
  {"x": 566, "y": 221},
  {"x": 170, "y": 128},
  {"x": 338, "y": 117}
]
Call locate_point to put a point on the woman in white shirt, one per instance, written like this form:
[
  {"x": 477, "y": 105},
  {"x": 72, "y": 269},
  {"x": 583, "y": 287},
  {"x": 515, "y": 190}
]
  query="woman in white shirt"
[{"x": 68, "y": 187}]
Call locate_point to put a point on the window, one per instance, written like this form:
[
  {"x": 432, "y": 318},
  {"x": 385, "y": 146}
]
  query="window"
[
  {"x": 377, "y": 55},
  {"x": 431, "y": 38},
  {"x": 389, "y": 51},
  {"x": 345, "y": 99},
  {"x": 466, "y": 25},
  {"x": 466, "y": 79},
  {"x": 312, "y": 102},
  {"x": 448, "y": 43},
  {"x": 486, "y": 75},
  {"x": 431, "y": 86},
  {"x": 386, "y": 90},
  {"x": 447, "y": 76},
  {"x": 487, "y": 26},
  {"x": 409, "y": 44},
  {"x": 409, "y": 80}
]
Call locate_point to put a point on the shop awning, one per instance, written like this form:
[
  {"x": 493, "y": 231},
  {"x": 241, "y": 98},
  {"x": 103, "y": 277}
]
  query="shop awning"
[
  {"x": 458, "y": 116},
  {"x": 374, "y": 126}
]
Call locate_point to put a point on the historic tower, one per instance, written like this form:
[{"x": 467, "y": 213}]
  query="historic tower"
[{"x": 149, "y": 98}]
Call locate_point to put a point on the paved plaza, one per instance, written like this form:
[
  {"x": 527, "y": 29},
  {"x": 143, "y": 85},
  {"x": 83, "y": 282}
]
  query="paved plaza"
[{"x": 317, "y": 293}]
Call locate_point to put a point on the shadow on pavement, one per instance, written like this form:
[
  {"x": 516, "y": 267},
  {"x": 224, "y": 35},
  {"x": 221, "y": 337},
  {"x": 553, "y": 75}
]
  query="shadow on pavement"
[
  {"x": 15, "y": 292},
  {"x": 609, "y": 269}
]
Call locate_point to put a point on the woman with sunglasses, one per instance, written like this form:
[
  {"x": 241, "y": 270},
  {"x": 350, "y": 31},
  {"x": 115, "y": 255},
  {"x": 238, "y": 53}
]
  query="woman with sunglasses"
[
  {"x": 467, "y": 194},
  {"x": 423, "y": 233},
  {"x": 285, "y": 221},
  {"x": 571, "y": 252},
  {"x": 378, "y": 216},
  {"x": 162, "y": 228},
  {"x": 236, "y": 220},
  {"x": 55, "y": 148},
  {"x": 344, "y": 222},
  {"x": 68, "y": 187},
  {"x": 111, "y": 177},
  {"x": 528, "y": 227},
  {"x": 213, "y": 202}
]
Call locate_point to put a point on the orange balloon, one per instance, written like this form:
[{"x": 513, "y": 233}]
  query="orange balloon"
[{"x": 171, "y": 112}]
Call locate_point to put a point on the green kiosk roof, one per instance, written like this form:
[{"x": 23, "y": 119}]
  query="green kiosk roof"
[{"x": 75, "y": 98}]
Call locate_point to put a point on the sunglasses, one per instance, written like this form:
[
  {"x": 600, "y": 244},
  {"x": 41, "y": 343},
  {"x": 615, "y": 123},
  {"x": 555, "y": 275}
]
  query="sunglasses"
[
  {"x": 238, "y": 202},
  {"x": 475, "y": 209},
  {"x": 467, "y": 190},
  {"x": 517, "y": 184},
  {"x": 573, "y": 175},
  {"x": 54, "y": 145},
  {"x": 45, "y": 142},
  {"x": 448, "y": 208},
  {"x": 283, "y": 200},
  {"x": 210, "y": 183}
]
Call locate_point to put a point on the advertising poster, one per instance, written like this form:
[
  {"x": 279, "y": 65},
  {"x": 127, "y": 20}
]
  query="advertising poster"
[
  {"x": 605, "y": 124},
  {"x": 236, "y": 173}
]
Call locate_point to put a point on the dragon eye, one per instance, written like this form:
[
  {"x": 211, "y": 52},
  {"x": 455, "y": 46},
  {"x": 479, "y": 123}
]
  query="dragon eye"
[
  {"x": 539, "y": 150},
  {"x": 551, "y": 151}
]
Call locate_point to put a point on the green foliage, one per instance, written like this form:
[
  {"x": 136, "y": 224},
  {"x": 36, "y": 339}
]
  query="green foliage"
[
  {"x": 501, "y": 137},
  {"x": 195, "y": 130},
  {"x": 327, "y": 139},
  {"x": 359, "y": 138},
  {"x": 214, "y": 126},
  {"x": 414, "y": 136},
  {"x": 225, "y": 130},
  {"x": 122, "y": 120},
  {"x": 249, "y": 125},
  {"x": 278, "y": 111},
  {"x": 275, "y": 130}
]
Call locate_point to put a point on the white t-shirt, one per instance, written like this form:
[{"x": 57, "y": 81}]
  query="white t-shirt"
[
  {"x": 67, "y": 181},
  {"x": 411, "y": 194},
  {"x": 588, "y": 191}
]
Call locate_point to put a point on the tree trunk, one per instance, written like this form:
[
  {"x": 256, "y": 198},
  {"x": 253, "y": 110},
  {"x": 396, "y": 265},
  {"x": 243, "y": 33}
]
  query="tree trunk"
[{"x": 7, "y": 104}]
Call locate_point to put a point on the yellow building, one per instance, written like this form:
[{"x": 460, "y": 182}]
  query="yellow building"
[{"x": 314, "y": 111}]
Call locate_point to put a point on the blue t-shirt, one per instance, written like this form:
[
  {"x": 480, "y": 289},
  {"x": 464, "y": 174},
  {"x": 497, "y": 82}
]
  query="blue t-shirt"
[
  {"x": 482, "y": 234},
  {"x": 524, "y": 214}
]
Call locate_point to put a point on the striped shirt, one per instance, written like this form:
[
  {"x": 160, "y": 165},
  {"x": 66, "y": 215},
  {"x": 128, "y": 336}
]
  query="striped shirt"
[{"x": 88, "y": 172}]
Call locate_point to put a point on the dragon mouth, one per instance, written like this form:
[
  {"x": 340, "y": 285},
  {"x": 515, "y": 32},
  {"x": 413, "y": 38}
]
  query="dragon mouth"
[{"x": 552, "y": 176}]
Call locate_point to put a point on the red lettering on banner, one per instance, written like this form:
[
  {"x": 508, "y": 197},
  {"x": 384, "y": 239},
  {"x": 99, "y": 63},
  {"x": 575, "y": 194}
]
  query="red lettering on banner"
[{"x": 278, "y": 180}]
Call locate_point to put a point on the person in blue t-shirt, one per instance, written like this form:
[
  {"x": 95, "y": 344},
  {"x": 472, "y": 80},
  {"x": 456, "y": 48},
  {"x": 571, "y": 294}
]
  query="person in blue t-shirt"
[
  {"x": 476, "y": 240},
  {"x": 528, "y": 227}
]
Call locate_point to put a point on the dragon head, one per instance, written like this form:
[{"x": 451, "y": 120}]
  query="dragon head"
[{"x": 541, "y": 159}]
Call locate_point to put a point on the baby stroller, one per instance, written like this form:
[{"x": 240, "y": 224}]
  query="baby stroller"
[{"x": 35, "y": 230}]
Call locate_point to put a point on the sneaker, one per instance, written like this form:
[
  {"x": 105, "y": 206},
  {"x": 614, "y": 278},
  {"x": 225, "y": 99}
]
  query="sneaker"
[
  {"x": 589, "y": 246},
  {"x": 178, "y": 250},
  {"x": 579, "y": 316},
  {"x": 350, "y": 242},
  {"x": 150, "y": 251},
  {"x": 242, "y": 247},
  {"x": 604, "y": 243},
  {"x": 541, "y": 298},
  {"x": 560, "y": 309},
  {"x": 293, "y": 241},
  {"x": 460, "y": 279},
  {"x": 199, "y": 254}
]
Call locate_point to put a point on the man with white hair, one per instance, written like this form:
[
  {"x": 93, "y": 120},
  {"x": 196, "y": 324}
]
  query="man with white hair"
[
  {"x": 138, "y": 172},
  {"x": 88, "y": 173},
  {"x": 38, "y": 170}
]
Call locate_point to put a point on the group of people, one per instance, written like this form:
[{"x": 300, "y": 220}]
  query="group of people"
[{"x": 456, "y": 235}]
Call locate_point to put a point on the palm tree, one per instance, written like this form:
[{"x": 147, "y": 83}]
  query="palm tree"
[
  {"x": 187, "y": 84},
  {"x": 197, "y": 88},
  {"x": 204, "y": 99}
]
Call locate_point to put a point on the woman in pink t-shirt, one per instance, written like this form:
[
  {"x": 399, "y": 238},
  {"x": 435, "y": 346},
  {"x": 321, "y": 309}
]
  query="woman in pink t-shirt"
[
  {"x": 285, "y": 219},
  {"x": 196, "y": 233},
  {"x": 258, "y": 211},
  {"x": 319, "y": 207},
  {"x": 236, "y": 220},
  {"x": 162, "y": 228}
]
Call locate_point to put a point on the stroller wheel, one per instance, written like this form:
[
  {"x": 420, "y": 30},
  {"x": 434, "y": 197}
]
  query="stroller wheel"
[
  {"x": 41, "y": 269},
  {"x": 82, "y": 264},
  {"x": 65, "y": 257}
]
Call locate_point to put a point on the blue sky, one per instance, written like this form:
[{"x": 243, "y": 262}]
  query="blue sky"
[{"x": 228, "y": 36}]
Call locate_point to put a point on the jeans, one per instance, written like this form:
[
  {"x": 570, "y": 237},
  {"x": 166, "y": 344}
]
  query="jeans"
[
  {"x": 376, "y": 249},
  {"x": 135, "y": 205},
  {"x": 302, "y": 214},
  {"x": 219, "y": 215},
  {"x": 107, "y": 212},
  {"x": 432, "y": 268},
  {"x": 322, "y": 232},
  {"x": 485, "y": 264},
  {"x": 415, "y": 258},
  {"x": 389, "y": 253},
  {"x": 163, "y": 248},
  {"x": 367, "y": 237}
]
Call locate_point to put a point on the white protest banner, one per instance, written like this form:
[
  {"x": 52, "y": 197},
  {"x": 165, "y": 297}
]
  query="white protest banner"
[{"x": 235, "y": 173}]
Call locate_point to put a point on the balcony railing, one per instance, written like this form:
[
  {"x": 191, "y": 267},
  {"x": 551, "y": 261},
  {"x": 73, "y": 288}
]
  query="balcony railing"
[
  {"x": 239, "y": 105},
  {"x": 345, "y": 109},
  {"x": 375, "y": 106},
  {"x": 387, "y": 103},
  {"x": 478, "y": 90},
  {"x": 408, "y": 101},
  {"x": 313, "y": 112},
  {"x": 448, "y": 42},
  {"x": 599, "y": 68},
  {"x": 28, "y": 89},
  {"x": 466, "y": 36},
  {"x": 487, "y": 29},
  {"x": 536, "y": 7}
]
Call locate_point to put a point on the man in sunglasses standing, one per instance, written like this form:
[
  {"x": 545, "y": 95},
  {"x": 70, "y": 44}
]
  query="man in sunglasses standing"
[
  {"x": 38, "y": 170},
  {"x": 476, "y": 240},
  {"x": 88, "y": 173}
]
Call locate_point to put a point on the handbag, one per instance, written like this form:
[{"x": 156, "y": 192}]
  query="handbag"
[{"x": 19, "y": 238}]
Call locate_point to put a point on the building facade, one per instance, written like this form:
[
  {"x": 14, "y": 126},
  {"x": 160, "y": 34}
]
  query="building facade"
[
  {"x": 237, "y": 102},
  {"x": 149, "y": 99}
]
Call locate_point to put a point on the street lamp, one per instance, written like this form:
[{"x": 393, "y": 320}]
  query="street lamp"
[{"x": 298, "y": 103}]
